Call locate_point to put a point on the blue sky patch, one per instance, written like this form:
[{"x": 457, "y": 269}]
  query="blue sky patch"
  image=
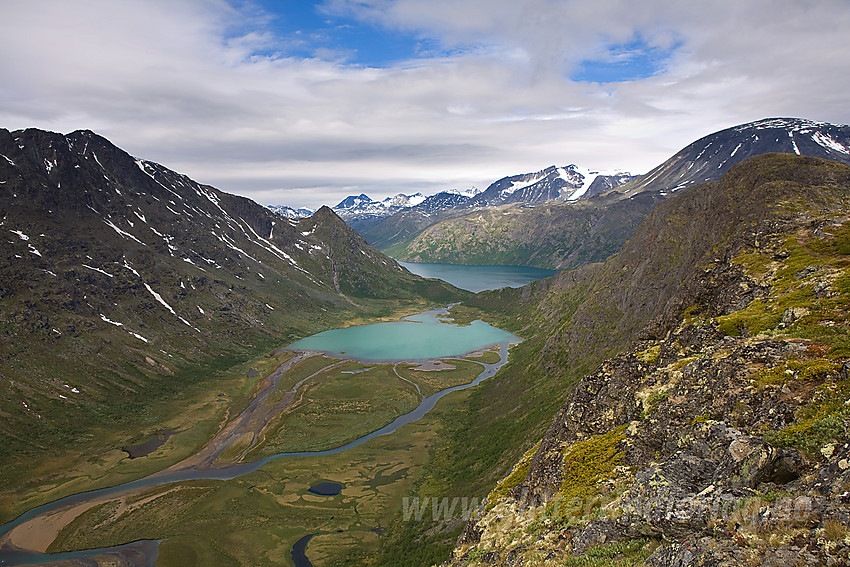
[
  {"x": 303, "y": 30},
  {"x": 625, "y": 62}
]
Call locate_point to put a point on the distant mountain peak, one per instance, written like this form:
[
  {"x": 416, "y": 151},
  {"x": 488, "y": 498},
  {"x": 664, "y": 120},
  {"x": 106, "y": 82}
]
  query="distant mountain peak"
[
  {"x": 354, "y": 201},
  {"x": 708, "y": 158},
  {"x": 291, "y": 213},
  {"x": 564, "y": 183},
  {"x": 471, "y": 192}
]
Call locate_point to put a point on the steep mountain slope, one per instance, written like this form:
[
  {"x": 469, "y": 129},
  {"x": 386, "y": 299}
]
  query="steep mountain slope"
[
  {"x": 120, "y": 281},
  {"x": 593, "y": 227},
  {"x": 550, "y": 235},
  {"x": 720, "y": 435},
  {"x": 708, "y": 158}
]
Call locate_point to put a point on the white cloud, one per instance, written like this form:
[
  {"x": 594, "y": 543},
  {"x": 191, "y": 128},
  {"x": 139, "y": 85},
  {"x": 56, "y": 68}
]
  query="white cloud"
[{"x": 186, "y": 84}]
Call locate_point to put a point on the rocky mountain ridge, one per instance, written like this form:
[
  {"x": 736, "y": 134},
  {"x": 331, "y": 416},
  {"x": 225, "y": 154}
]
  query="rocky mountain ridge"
[
  {"x": 600, "y": 222},
  {"x": 553, "y": 183},
  {"x": 361, "y": 212},
  {"x": 708, "y": 158},
  {"x": 720, "y": 436},
  {"x": 570, "y": 183}
]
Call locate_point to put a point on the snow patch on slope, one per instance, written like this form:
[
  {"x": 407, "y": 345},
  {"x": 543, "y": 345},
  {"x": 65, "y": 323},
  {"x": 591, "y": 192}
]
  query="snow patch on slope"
[{"x": 829, "y": 143}]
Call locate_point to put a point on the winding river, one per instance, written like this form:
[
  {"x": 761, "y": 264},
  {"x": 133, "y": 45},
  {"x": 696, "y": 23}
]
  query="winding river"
[{"x": 202, "y": 465}]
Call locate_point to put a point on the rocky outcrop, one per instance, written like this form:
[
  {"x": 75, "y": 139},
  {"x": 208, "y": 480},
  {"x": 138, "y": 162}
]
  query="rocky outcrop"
[
  {"x": 691, "y": 472},
  {"x": 720, "y": 437}
]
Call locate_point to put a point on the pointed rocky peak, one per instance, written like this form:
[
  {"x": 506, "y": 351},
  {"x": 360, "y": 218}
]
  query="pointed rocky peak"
[
  {"x": 354, "y": 201},
  {"x": 325, "y": 213}
]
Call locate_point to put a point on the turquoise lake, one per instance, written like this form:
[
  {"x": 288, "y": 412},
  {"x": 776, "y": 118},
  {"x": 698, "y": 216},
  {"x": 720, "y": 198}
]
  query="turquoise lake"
[
  {"x": 417, "y": 337},
  {"x": 479, "y": 278}
]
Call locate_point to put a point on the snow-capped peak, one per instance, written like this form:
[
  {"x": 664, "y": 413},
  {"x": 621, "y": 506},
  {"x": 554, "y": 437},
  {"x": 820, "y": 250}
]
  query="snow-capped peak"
[
  {"x": 354, "y": 202},
  {"x": 792, "y": 124},
  {"x": 471, "y": 192},
  {"x": 291, "y": 213},
  {"x": 588, "y": 176},
  {"x": 401, "y": 201},
  {"x": 523, "y": 181}
]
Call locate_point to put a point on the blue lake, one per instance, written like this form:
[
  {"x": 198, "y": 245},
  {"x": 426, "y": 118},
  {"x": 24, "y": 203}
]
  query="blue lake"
[
  {"x": 417, "y": 337},
  {"x": 479, "y": 278}
]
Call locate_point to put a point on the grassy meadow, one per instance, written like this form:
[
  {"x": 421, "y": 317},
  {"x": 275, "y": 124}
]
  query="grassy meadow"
[{"x": 255, "y": 519}]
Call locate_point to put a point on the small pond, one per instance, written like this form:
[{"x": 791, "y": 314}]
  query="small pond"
[{"x": 326, "y": 488}]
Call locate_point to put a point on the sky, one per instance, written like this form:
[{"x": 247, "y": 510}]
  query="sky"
[{"x": 302, "y": 103}]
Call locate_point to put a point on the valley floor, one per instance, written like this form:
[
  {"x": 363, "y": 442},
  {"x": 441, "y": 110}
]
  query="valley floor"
[{"x": 302, "y": 402}]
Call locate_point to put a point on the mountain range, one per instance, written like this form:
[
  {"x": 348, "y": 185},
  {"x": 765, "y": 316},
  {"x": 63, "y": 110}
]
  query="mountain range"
[
  {"x": 565, "y": 217},
  {"x": 361, "y": 212},
  {"x": 569, "y": 183},
  {"x": 539, "y": 230}
]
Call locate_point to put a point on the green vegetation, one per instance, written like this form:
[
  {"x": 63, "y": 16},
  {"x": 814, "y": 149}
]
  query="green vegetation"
[
  {"x": 518, "y": 474},
  {"x": 190, "y": 405},
  {"x": 808, "y": 298},
  {"x": 444, "y": 374},
  {"x": 809, "y": 291},
  {"x": 702, "y": 418},
  {"x": 650, "y": 355},
  {"x": 551, "y": 235},
  {"x": 486, "y": 357},
  {"x": 256, "y": 518},
  {"x": 817, "y": 369},
  {"x": 586, "y": 463},
  {"x": 652, "y": 401},
  {"x": 619, "y": 554},
  {"x": 333, "y": 408},
  {"x": 819, "y": 423},
  {"x": 76, "y": 446}
]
